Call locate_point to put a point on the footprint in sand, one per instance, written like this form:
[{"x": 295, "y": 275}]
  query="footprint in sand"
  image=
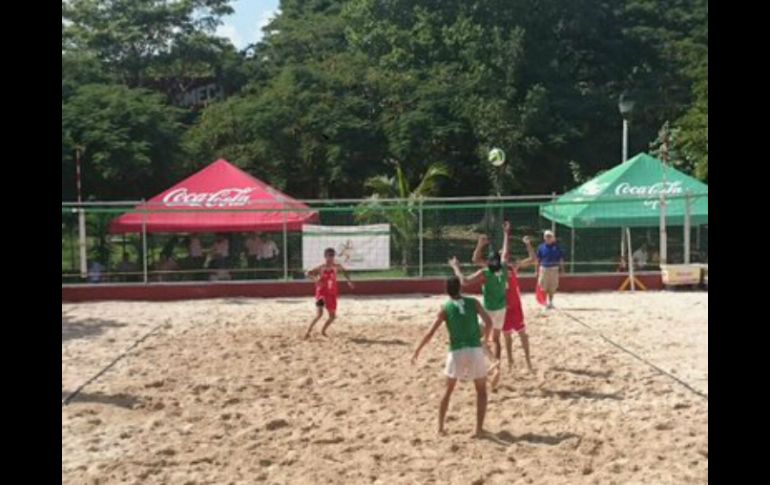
[{"x": 276, "y": 424}]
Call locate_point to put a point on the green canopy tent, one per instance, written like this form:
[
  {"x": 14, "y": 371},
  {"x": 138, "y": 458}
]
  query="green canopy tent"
[{"x": 629, "y": 195}]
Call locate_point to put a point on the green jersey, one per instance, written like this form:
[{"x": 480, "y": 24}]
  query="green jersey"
[
  {"x": 462, "y": 323},
  {"x": 494, "y": 289}
]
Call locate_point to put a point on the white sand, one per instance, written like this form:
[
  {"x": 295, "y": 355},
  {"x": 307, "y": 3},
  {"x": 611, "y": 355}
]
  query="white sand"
[{"x": 226, "y": 392}]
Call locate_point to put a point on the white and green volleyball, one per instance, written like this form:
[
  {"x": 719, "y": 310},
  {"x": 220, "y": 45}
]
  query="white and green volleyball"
[{"x": 496, "y": 157}]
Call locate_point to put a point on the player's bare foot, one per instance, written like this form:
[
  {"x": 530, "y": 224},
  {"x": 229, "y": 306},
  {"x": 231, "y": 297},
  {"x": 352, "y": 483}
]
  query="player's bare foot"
[
  {"x": 510, "y": 365},
  {"x": 480, "y": 433},
  {"x": 442, "y": 432},
  {"x": 495, "y": 380},
  {"x": 306, "y": 337}
]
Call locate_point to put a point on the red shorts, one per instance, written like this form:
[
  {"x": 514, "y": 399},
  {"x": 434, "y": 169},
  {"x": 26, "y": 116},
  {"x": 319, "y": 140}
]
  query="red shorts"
[
  {"x": 328, "y": 301},
  {"x": 514, "y": 317}
]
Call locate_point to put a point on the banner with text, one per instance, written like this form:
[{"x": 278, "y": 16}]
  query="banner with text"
[{"x": 358, "y": 247}]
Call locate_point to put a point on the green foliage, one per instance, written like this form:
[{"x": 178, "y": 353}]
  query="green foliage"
[
  {"x": 338, "y": 88},
  {"x": 403, "y": 219}
]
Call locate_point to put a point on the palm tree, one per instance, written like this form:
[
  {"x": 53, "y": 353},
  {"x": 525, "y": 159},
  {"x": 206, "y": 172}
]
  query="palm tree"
[{"x": 402, "y": 216}]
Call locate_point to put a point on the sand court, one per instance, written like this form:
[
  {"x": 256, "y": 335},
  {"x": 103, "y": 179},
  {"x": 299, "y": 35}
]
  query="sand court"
[{"x": 226, "y": 391}]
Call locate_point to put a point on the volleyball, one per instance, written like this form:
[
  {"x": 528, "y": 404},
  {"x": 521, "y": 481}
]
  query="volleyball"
[{"x": 496, "y": 157}]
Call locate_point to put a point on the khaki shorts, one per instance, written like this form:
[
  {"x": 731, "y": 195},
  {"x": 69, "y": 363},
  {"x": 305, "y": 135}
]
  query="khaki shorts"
[{"x": 549, "y": 279}]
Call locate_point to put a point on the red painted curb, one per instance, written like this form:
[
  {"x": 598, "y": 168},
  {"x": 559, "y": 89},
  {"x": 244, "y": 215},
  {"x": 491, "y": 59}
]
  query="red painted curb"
[{"x": 189, "y": 291}]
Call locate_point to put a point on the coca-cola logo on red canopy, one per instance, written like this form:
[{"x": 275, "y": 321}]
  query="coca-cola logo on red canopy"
[{"x": 230, "y": 197}]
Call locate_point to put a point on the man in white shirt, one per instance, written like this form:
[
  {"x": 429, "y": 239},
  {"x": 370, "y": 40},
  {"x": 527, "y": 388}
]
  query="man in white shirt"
[
  {"x": 95, "y": 270},
  {"x": 254, "y": 252},
  {"x": 219, "y": 255},
  {"x": 268, "y": 249},
  {"x": 196, "y": 257},
  {"x": 268, "y": 255},
  {"x": 640, "y": 257}
]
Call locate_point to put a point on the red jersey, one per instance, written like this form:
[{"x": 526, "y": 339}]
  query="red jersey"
[
  {"x": 513, "y": 295},
  {"x": 327, "y": 283},
  {"x": 514, "y": 314}
]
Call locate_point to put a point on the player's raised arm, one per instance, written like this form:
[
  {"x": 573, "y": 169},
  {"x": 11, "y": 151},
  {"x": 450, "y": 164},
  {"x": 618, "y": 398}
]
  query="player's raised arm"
[
  {"x": 531, "y": 259},
  {"x": 506, "y": 238},
  {"x": 478, "y": 253},
  {"x": 478, "y": 276},
  {"x": 440, "y": 318}
]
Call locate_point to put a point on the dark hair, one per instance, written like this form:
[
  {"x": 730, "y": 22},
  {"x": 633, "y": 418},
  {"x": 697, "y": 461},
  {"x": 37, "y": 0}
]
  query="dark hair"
[
  {"x": 329, "y": 251},
  {"x": 494, "y": 262},
  {"x": 453, "y": 286}
]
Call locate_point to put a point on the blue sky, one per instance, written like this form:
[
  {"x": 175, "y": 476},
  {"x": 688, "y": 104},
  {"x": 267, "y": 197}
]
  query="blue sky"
[{"x": 245, "y": 25}]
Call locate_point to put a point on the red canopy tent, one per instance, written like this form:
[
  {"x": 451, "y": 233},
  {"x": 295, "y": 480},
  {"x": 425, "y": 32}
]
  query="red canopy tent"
[{"x": 219, "y": 198}]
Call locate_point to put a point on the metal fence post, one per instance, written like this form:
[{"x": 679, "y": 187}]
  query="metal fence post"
[
  {"x": 421, "y": 240},
  {"x": 572, "y": 252},
  {"x": 630, "y": 260},
  {"x": 285, "y": 246},
  {"x": 697, "y": 237},
  {"x": 82, "y": 243},
  {"x": 144, "y": 245},
  {"x": 663, "y": 236},
  {"x": 687, "y": 226},
  {"x": 553, "y": 222},
  {"x": 622, "y": 243}
]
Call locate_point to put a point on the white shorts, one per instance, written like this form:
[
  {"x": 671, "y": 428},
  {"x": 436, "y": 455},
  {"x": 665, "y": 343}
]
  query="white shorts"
[
  {"x": 466, "y": 364},
  {"x": 498, "y": 318}
]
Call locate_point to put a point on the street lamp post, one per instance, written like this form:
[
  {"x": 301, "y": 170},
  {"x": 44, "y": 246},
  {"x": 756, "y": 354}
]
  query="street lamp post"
[
  {"x": 81, "y": 216},
  {"x": 625, "y": 106}
]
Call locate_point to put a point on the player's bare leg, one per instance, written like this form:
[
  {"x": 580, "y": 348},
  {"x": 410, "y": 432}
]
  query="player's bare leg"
[
  {"x": 498, "y": 353},
  {"x": 444, "y": 405},
  {"x": 318, "y": 316},
  {"x": 332, "y": 317},
  {"x": 481, "y": 405},
  {"x": 525, "y": 345},
  {"x": 495, "y": 380},
  {"x": 509, "y": 350}
]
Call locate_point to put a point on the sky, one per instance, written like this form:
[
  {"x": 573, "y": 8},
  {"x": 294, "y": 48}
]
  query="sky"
[{"x": 244, "y": 27}]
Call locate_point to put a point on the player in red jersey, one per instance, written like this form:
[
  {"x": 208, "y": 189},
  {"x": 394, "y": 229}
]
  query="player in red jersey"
[
  {"x": 514, "y": 314},
  {"x": 326, "y": 290}
]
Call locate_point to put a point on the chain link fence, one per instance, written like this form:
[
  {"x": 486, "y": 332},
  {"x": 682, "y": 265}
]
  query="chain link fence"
[{"x": 422, "y": 234}]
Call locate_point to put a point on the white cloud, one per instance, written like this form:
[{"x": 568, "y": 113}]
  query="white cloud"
[
  {"x": 230, "y": 32},
  {"x": 264, "y": 19}
]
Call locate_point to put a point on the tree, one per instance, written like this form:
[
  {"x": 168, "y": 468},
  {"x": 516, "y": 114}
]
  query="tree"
[
  {"x": 338, "y": 86},
  {"x": 402, "y": 215},
  {"x": 160, "y": 44},
  {"x": 694, "y": 132},
  {"x": 132, "y": 141}
]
